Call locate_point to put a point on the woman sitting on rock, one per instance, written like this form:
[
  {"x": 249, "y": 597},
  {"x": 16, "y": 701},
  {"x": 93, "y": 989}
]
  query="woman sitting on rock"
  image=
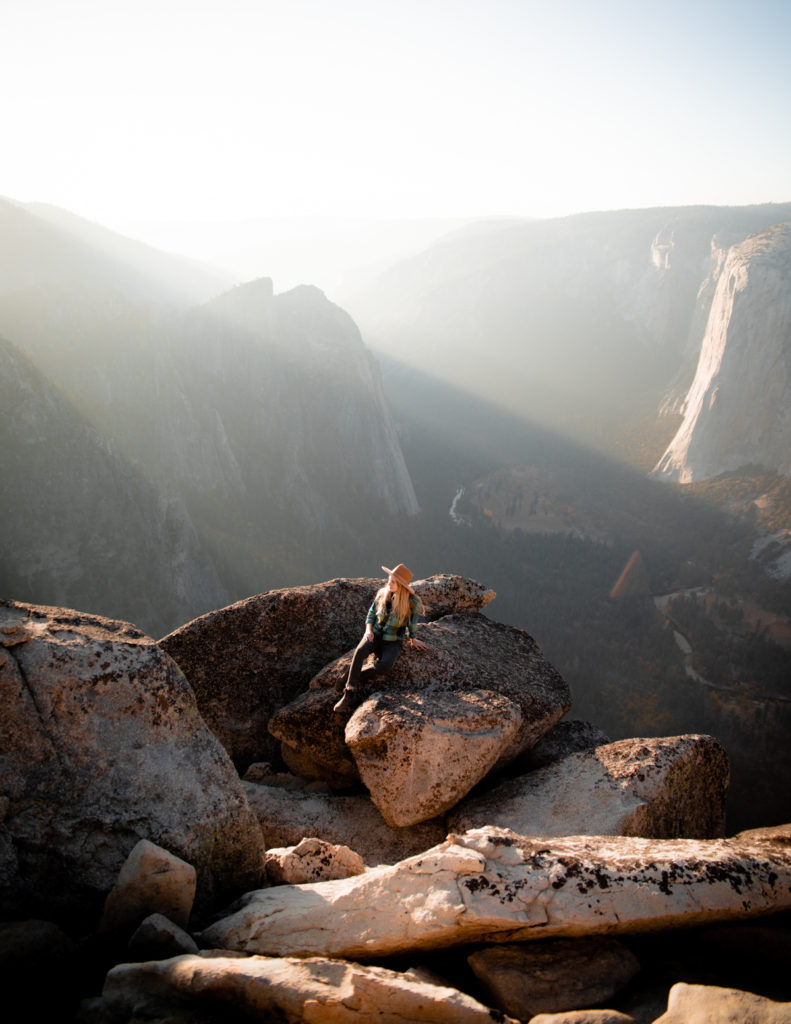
[{"x": 392, "y": 617}]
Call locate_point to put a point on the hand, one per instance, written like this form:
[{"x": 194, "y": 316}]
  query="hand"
[{"x": 418, "y": 644}]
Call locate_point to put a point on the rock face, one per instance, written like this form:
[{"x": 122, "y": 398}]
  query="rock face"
[
  {"x": 351, "y": 820},
  {"x": 308, "y": 991},
  {"x": 738, "y": 409},
  {"x": 661, "y": 788},
  {"x": 251, "y": 658},
  {"x": 490, "y": 884},
  {"x": 585, "y": 313},
  {"x": 467, "y": 654},
  {"x": 103, "y": 746},
  {"x": 419, "y": 754},
  {"x": 66, "y": 492}
]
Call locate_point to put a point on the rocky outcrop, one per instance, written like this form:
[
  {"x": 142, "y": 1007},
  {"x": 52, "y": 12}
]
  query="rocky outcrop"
[
  {"x": 103, "y": 746},
  {"x": 473, "y": 673},
  {"x": 560, "y": 974},
  {"x": 737, "y": 410},
  {"x": 287, "y": 816},
  {"x": 307, "y": 991},
  {"x": 491, "y": 884},
  {"x": 660, "y": 788},
  {"x": 251, "y": 658}
]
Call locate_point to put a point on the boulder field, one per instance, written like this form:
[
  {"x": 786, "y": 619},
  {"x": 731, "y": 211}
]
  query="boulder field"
[{"x": 453, "y": 850}]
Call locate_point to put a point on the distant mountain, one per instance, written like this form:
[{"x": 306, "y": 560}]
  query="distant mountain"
[
  {"x": 80, "y": 528},
  {"x": 737, "y": 411},
  {"x": 582, "y": 324},
  {"x": 260, "y": 417},
  {"x": 271, "y": 423},
  {"x": 43, "y": 247}
]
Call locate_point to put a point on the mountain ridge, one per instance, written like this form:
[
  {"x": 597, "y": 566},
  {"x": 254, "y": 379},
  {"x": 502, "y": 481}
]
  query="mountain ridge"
[{"x": 586, "y": 323}]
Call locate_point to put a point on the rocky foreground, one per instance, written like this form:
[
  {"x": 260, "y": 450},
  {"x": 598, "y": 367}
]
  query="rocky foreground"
[{"x": 454, "y": 850}]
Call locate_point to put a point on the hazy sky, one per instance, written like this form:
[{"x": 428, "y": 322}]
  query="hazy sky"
[{"x": 131, "y": 112}]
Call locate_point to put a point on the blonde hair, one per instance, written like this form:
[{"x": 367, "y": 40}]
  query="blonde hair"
[{"x": 403, "y": 602}]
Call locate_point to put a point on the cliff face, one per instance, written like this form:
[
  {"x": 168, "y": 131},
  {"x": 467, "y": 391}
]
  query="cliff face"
[
  {"x": 278, "y": 396},
  {"x": 79, "y": 524},
  {"x": 581, "y": 324},
  {"x": 738, "y": 409}
]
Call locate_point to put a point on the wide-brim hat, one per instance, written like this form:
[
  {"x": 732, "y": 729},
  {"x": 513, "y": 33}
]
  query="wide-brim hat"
[{"x": 401, "y": 574}]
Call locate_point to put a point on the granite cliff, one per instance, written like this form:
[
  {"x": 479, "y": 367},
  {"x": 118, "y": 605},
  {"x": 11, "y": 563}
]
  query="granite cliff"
[
  {"x": 738, "y": 409},
  {"x": 583, "y": 324},
  {"x": 79, "y": 522}
]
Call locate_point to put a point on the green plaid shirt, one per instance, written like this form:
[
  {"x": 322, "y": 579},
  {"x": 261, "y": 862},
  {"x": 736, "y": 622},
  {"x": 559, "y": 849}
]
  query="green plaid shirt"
[{"x": 388, "y": 627}]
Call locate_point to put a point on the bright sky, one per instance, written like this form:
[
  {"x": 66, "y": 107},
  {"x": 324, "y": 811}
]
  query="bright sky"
[{"x": 129, "y": 112}]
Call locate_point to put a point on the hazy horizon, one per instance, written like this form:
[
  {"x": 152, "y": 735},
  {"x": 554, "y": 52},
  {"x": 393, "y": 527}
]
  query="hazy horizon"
[{"x": 185, "y": 126}]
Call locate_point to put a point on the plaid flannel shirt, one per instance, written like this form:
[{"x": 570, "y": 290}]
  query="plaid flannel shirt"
[{"x": 388, "y": 628}]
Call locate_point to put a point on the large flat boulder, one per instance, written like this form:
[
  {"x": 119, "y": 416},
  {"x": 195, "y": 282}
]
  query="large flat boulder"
[
  {"x": 249, "y": 659},
  {"x": 659, "y": 788},
  {"x": 291, "y": 991},
  {"x": 102, "y": 746},
  {"x": 288, "y": 816},
  {"x": 493, "y": 885},
  {"x": 467, "y": 654}
]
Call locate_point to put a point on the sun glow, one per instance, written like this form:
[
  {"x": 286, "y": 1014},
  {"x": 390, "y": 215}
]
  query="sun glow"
[{"x": 164, "y": 111}]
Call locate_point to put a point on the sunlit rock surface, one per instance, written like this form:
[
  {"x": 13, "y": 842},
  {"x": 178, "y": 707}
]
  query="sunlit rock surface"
[
  {"x": 102, "y": 746},
  {"x": 307, "y": 991},
  {"x": 661, "y": 788},
  {"x": 738, "y": 409},
  {"x": 495, "y": 885}
]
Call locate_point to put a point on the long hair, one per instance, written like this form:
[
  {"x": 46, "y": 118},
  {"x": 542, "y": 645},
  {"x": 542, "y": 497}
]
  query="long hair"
[{"x": 402, "y": 603}]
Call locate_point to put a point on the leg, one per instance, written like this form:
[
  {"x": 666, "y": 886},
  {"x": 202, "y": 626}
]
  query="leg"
[
  {"x": 388, "y": 654},
  {"x": 361, "y": 652},
  {"x": 350, "y": 695}
]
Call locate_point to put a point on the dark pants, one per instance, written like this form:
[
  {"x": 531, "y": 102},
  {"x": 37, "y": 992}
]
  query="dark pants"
[{"x": 386, "y": 653}]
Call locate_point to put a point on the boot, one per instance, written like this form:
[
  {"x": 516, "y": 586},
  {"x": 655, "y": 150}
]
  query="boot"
[{"x": 348, "y": 701}]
